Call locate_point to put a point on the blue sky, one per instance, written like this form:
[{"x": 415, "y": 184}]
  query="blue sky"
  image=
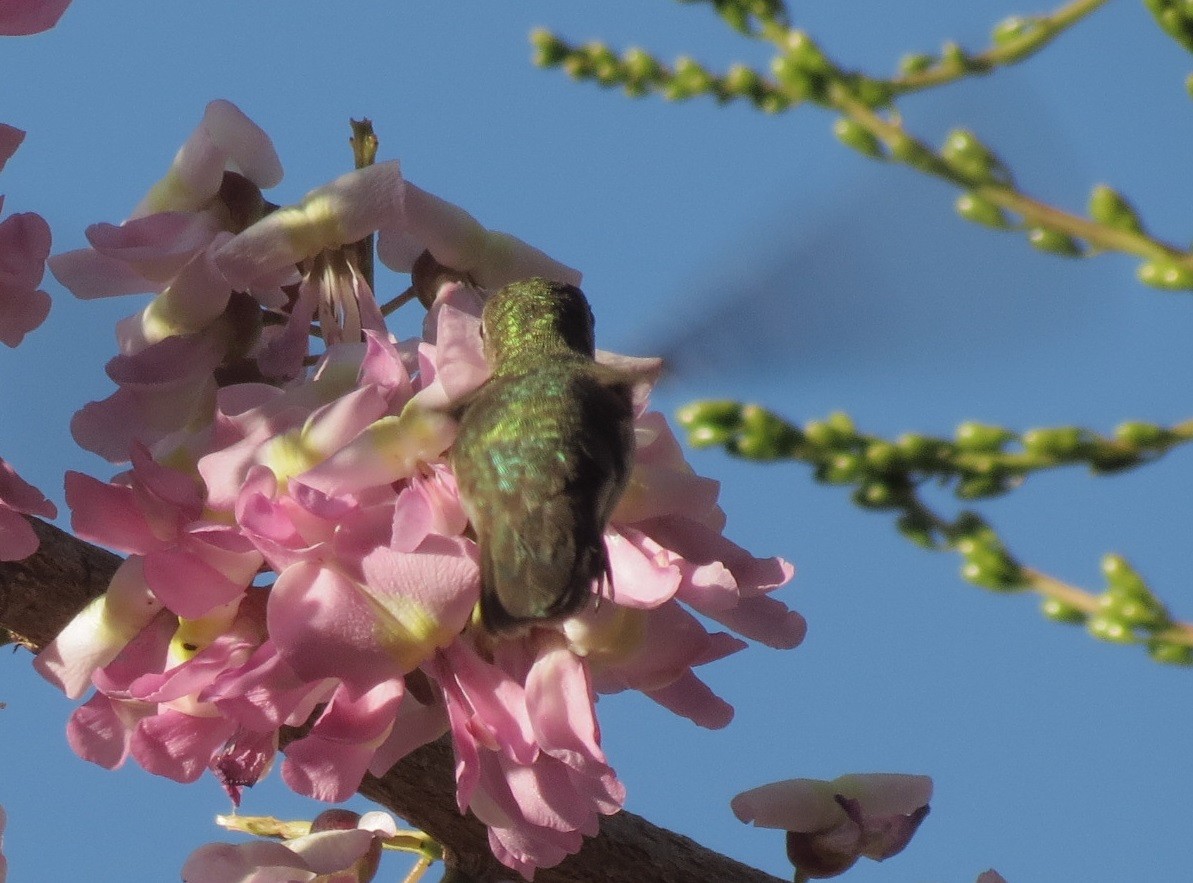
[{"x": 1055, "y": 757}]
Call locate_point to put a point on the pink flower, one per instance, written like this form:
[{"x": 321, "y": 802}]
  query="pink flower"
[
  {"x": 299, "y": 553},
  {"x": 24, "y": 247},
  {"x": 830, "y": 825},
  {"x": 17, "y": 498},
  {"x": 529, "y": 762},
  {"x": 341, "y": 848},
  {"x": 991, "y": 876},
  {"x": 20, "y": 18}
]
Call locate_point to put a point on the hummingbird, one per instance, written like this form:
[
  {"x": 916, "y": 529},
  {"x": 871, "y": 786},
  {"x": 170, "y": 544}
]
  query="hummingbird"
[{"x": 544, "y": 451}]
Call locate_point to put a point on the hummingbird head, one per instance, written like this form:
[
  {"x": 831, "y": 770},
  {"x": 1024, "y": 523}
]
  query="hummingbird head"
[{"x": 536, "y": 318}]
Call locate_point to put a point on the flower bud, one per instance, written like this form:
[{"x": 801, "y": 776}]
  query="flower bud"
[
  {"x": 1141, "y": 435},
  {"x": 1107, "y": 206},
  {"x": 1061, "y": 442},
  {"x": 1059, "y": 611},
  {"x": 1107, "y": 628},
  {"x": 1169, "y": 653},
  {"x": 980, "y": 437},
  {"x": 968, "y": 156},
  {"x": 915, "y": 63},
  {"x": 1165, "y": 274},
  {"x": 549, "y": 50},
  {"x": 1013, "y": 28},
  {"x": 853, "y": 134},
  {"x": 1046, "y": 239},
  {"x": 981, "y": 211}
]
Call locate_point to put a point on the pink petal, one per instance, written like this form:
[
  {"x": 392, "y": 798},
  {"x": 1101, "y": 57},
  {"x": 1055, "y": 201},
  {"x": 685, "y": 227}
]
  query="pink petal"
[
  {"x": 330, "y": 762},
  {"x": 17, "y": 539},
  {"x": 21, "y": 311},
  {"x": 690, "y": 697},
  {"x": 10, "y": 139},
  {"x": 100, "y": 632},
  {"x": 259, "y": 861},
  {"x": 24, "y": 247},
  {"x": 19, "y": 18},
  {"x": 107, "y": 514},
  {"x": 261, "y": 693},
  {"x": 347, "y": 209},
  {"x": 101, "y": 729},
  {"x": 644, "y": 573},
  {"x": 87, "y": 274},
  {"x": 179, "y": 746},
  {"x": 157, "y": 246}
]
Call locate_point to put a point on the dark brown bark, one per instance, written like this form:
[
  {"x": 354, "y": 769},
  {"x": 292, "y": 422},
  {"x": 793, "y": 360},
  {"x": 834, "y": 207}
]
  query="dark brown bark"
[{"x": 39, "y": 595}]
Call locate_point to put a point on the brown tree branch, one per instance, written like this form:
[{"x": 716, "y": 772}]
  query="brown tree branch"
[{"x": 39, "y": 595}]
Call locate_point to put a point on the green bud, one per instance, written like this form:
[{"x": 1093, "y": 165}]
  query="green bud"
[
  {"x": 1059, "y": 611},
  {"x": 641, "y": 70},
  {"x": 920, "y": 450},
  {"x": 708, "y": 436},
  {"x": 803, "y": 50},
  {"x": 1107, "y": 206},
  {"x": 688, "y": 80},
  {"x": 918, "y": 529},
  {"x": 604, "y": 64},
  {"x": 1142, "y": 435},
  {"x": 772, "y": 101},
  {"x": 791, "y": 76},
  {"x": 1013, "y": 28},
  {"x": 991, "y": 575},
  {"x": 917, "y": 63},
  {"x": 549, "y": 50},
  {"x": 853, "y": 134},
  {"x": 882, "y": 456},
  {"x": 1061, "y": 442},
  {"x": 1135, "y": 612},
  {"x": 979, "y": 486},
  {"x": 1170, "y": 653},
  {"x": 981, "y": 437},
  {"x": 718, "y": 412},
  {"x": 953, "y": 56},
  {"x": 577, "y": 66},
  {"x": 1055, "y": 242},
  {"x": 735, "y": 15},
  {"x": 981, "y": 211},
  {"x": 966, "y": 155},
  {"x": 1106, "y": 628},
  {"x": 987, "y": 563},
  {"x": 765, "y": 436},
  {"x": 742, "y": 80},
  {"x": 1122, "y": 579},
  {"x": 1165, "y": 274},
  {"x": 842, "y": 469},
  {"x": 876, "y": 495},
  {"x": 870, "y": 92}
]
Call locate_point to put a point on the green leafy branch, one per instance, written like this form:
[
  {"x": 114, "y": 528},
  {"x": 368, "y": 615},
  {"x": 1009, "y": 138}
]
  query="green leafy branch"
[
  {"x": 803, "y": 72},
  {"x": 980, "y": 461}
]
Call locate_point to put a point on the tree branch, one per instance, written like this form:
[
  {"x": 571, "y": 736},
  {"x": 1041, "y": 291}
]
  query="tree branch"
[{"x": 40, "y": 595}]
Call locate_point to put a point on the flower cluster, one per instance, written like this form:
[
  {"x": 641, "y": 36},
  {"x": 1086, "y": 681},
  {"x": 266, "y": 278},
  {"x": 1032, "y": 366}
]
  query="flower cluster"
[
  {"x": 297, "y": 549},
  {"x": 24, "y": 247}
]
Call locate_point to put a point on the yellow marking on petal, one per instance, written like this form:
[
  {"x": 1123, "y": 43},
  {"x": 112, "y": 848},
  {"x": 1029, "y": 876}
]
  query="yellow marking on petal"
[
  {"x": 313, "y": 224},
  {"x": 170, "y": 194},
  {"x": 606, "y": 636},
  {"x": 289, "y": 455},
  {"x": 406, "y": 629},
  {"x": 163, "y": 318},
  {"x": 194, "y": 635}
]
